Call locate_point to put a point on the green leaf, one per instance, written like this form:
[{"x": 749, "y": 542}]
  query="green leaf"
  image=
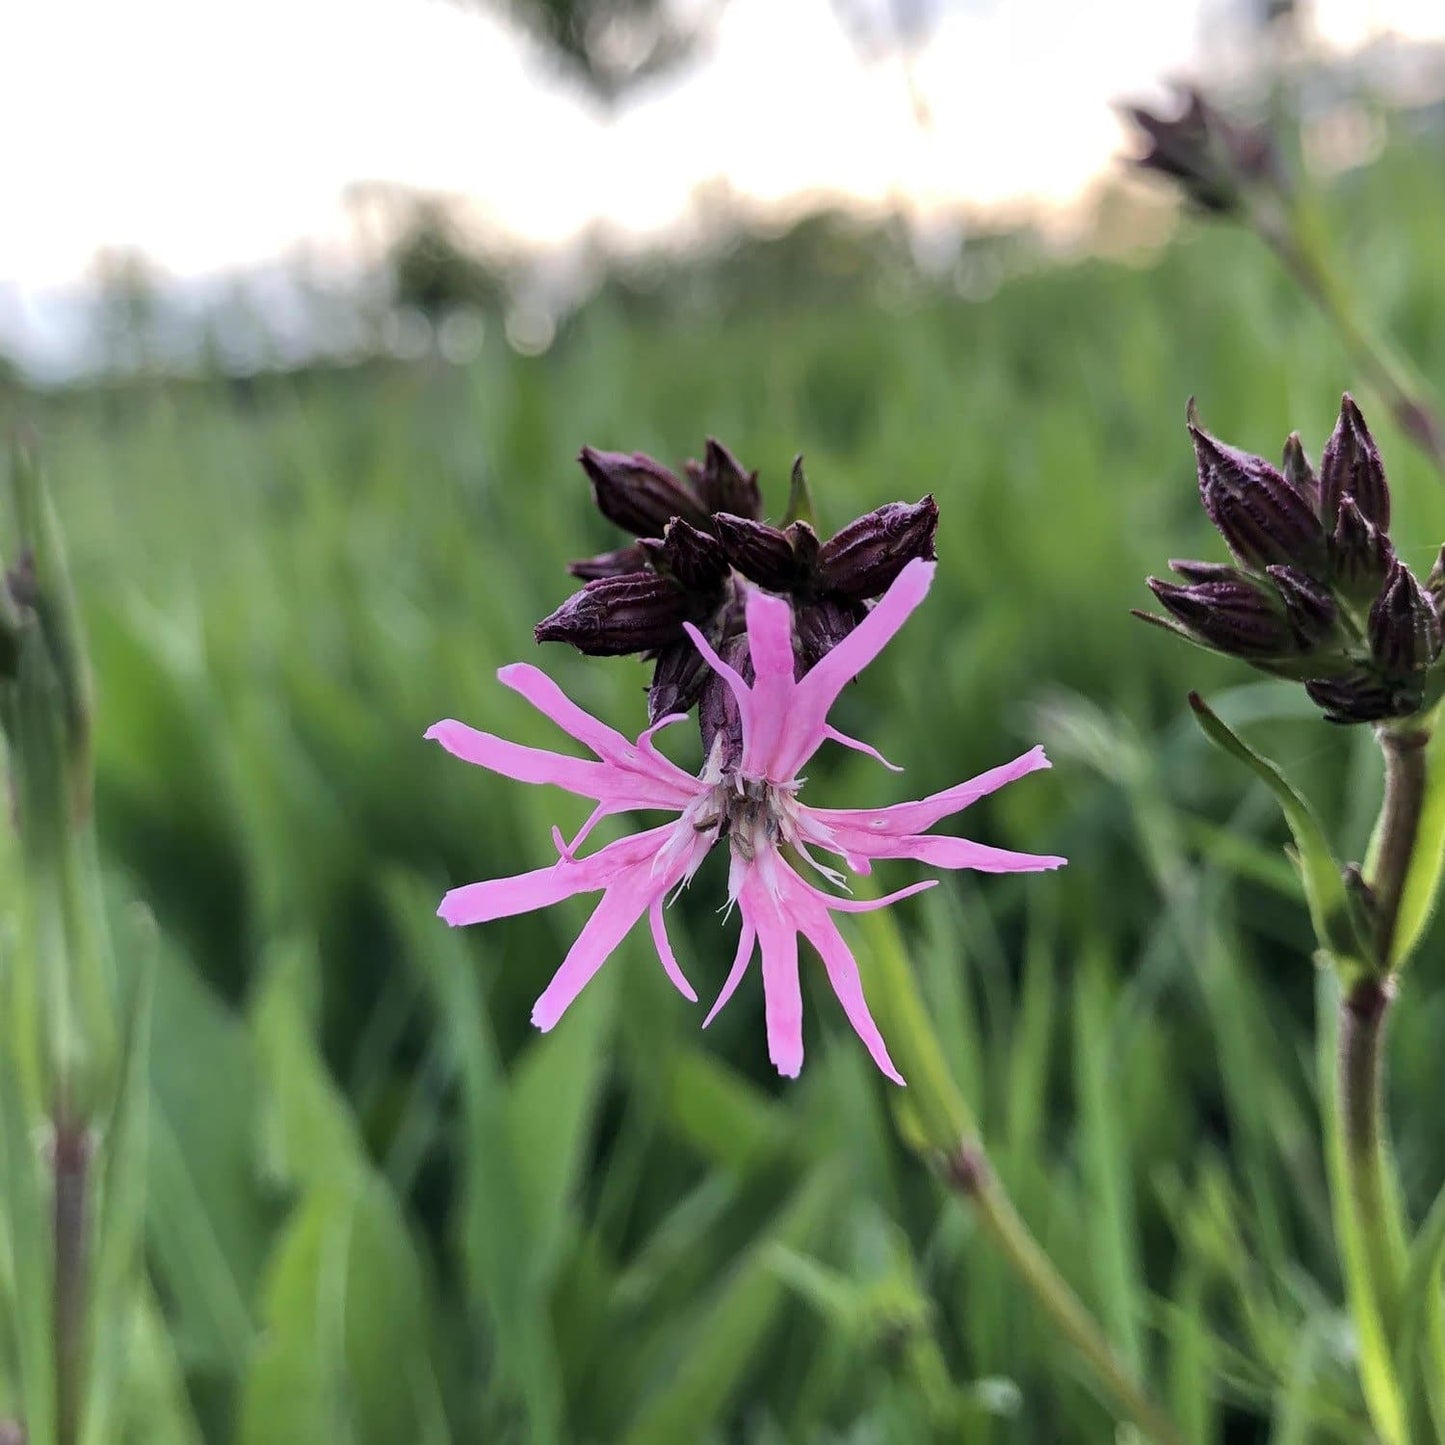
[
  {"x": 343, "y": 1357},
  {"x": 1420, "y": 1311},
  {"x": 1320, "y": 871}
]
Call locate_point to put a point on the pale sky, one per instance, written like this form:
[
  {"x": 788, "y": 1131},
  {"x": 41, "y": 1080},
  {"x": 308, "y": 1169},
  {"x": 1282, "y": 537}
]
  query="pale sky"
[{"x": 214, "y": 137}]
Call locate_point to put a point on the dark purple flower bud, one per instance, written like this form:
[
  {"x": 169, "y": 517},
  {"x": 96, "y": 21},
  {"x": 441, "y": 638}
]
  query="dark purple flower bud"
[
  {"x": 1212, "y": 158},
  {"x": 822, "y": 624},
  {"x": 761, "y": 553},
  {"x": 1259, "y": 514},
  {"x": 1205, "y": 571},
  {"x": 1361, "y": 697},
  {"x": 1237, "y": 618},
  {"x": 722, "y": 483},
  {"x": 1435, "y": 583},
  {"x": 1360, "y": 554},
  {"x": 1298, "y": 472},
  {"x": 1308, "y": 604},
  {"x": 864, "y": 558},
  {"x": 693, "y": 559},
  {"x": 610, "y": 564},
  {"x": 639, "y": 494},
  {"x": 1404, "y": 630},
  {"x": 677, "y": 679},
  {"x": 1350, "y": 466},
  {"x": 613, "y": 616},
  {"x": 717, "y": 708}
]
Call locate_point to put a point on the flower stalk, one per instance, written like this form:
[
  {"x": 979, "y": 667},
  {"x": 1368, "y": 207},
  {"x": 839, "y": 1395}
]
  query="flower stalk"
[
  {"x": 969, "y": 1173},
  {"x": 936, "y": 1120}
]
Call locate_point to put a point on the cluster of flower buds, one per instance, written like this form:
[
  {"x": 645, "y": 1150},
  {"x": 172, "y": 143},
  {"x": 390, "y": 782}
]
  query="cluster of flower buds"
[
  {"x": 697, "y": 535},
  {"x": 1212, "y": 159},
  {"x": 1316, "y": 592}
]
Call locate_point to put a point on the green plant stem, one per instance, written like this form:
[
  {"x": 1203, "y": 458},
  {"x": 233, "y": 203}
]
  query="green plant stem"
[
  {"x": 69, "y": 1214},
  {"x": 969, "y": 1172},
  {"x": 1360, "y": 1062},
  {"x": 1295, "y": 239},
  {"x": 1399, "y": 829}
]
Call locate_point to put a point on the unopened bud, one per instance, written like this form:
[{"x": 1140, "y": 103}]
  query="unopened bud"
[
  {"x": 717, "y": 709},
  {"x": 1212, "y": 158},
  {"x": 1404, "y": 630},
  {"x": 1205, "y": 571},
  {"x": 1260, "y": 515},
  {"x": 637, "y": 493},
  {"x": 1435, "y": 582},
  {"x": 1232, "y": 617},
  {"x": 723, "y": 484},
  {"x": 677, "y": 679},
  {"x": 693, "y": 559},
  {"x": 609, "y": 564},
  {"x": 867, "y": 555},
  {"x": 1362, "y": 697},
  {"x": 822, "y": 624},
  {"x": 1298, "y": 472},
  {"x": 1309, "y": 606},
  {"x": 613, "y": 616},
  {"x": 763, "y": 554},
  {"x": 1360, "y": 553},
  {"x": 1350, "y": 466}
]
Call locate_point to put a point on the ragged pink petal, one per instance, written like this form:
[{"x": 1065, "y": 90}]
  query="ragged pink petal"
[
  {"x": 942, "y": 851},
  {"x": 513, "y": 760},
  {"x": 663, "y": 944},
  {"x": 915, "y": 817},
  {"x": 782, "y": 988},
  {"x": 609, "y": 744},
  {"x": 819, "y": 687},
  {"x": 833, "y": 735},
  {"x": 842, "y": 969},
  {"x": 505, "y": 897},
  {"x": 741, "y": 959},
  {"x": 622, "y": 905}
]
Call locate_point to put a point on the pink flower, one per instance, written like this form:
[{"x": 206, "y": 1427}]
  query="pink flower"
[{"x": 754, "y": 805}]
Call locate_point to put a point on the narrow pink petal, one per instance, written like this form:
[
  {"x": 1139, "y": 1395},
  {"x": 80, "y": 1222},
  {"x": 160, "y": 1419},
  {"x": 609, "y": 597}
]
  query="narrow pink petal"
[
  {"x": 819, "y": 687},
  {"x": 526, "y": 765},
  {"x": 621, "y": 907},
  {"x": 767, "y": 723},
  {"x": 569, "y": 850},
  {"x": 770, "y": 635},
  {"x": 869, "y": 905},
  {"x": 832, "y": 733},
  {"x": 741, "y": 959},
  {"x": 663, "y": 944},
  {"x": 549, "y": 699},
  {"x": 917, "y": 816},
  {"x": 729, "y": 675},
  {"x": 782, "y": 988},
  {"x": 526, "y": 892},
  {"x": 842, "y": 969},
  {"x": 942, "y": 851}
]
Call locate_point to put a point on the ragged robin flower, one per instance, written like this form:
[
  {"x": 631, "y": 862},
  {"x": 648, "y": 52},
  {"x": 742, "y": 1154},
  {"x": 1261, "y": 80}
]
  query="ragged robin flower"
[
  {"x": 752, "y": 802},
  {"x": 700, "y": 538},
  {"x": 1316, "y": 592}
]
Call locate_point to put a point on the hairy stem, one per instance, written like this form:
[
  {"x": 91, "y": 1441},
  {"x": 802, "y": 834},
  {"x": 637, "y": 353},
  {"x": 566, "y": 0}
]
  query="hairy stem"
[
  {"x": 970, "y": 1173},
  {"x": 1297, "y": 243},
  {"x": 1399, "y": 828},
  {"x": 72, "y": 1161},
  {"x": 1361, "y": 1121}
]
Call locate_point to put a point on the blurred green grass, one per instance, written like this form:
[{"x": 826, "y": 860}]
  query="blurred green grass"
[{"x": 380, "y": 1208}]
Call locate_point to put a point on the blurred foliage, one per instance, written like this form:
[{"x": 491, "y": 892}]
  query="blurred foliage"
[
  {"x": 434, "y": 270},
  {"x": 378, "y": 1207}
]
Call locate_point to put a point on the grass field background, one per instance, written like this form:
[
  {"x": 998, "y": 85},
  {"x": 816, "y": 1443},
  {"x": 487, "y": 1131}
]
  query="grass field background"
[{"x": 380, "y": 1208}]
